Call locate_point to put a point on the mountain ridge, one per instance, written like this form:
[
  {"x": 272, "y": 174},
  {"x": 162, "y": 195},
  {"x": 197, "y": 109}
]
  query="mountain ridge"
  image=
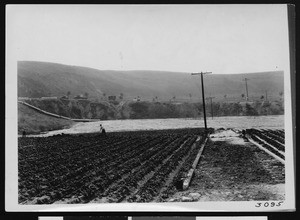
[{"x": 40, "y": 79}]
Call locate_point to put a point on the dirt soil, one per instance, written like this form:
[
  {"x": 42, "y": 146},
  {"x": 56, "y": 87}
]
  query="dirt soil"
[{"x": 231, "y": 169}]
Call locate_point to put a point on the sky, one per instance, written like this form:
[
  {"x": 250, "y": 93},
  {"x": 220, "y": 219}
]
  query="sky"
[{"x": 182, "y": 38}]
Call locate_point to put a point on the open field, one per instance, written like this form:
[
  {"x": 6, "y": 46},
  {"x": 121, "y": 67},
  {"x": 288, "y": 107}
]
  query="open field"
[
  {"x": 238, "y": 122},
  {"x": 144, "y": 166}
]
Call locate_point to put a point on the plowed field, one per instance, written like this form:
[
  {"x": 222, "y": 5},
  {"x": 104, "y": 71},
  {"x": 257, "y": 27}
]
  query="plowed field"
[
  {"x": 150, "y": 166},
  {"x": 126, "y": 166}
]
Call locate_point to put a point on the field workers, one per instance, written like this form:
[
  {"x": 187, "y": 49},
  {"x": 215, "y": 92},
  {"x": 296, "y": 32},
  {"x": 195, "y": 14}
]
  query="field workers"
[{"x": 145, "y": 166}]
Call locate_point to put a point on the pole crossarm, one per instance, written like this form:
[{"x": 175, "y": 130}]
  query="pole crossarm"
[{"x": 200, "y": 73}]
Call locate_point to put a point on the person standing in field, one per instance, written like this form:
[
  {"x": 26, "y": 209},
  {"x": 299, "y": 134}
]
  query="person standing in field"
[{"x": 102, "y": 130}]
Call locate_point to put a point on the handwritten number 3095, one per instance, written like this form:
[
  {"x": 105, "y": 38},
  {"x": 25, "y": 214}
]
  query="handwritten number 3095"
[{"x": 268, "y": 204}]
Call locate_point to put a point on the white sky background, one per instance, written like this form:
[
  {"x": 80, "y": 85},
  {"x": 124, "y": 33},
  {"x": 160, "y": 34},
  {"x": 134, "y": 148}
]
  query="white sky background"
[{"x": 182, "y": 38}]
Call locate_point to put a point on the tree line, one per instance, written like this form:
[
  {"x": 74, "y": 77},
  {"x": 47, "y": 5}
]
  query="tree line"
[{"x": 190, "y": 110}]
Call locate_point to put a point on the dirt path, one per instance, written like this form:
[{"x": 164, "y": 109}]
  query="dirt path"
[{"x": 231, "y": 169}]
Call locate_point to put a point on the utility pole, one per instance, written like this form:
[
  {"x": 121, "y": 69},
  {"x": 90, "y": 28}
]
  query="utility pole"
[
  {"x": 203, "y": 99},
  {"x": 211, "y": 107},
  {"x": 247, "y": 97}
]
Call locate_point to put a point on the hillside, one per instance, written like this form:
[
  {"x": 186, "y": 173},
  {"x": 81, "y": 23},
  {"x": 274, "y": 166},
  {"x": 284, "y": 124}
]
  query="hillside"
[
  {"x": 39, "y": 79},
  {"x": 77, "y": 109},
  {"x": 33, "y": 122}
]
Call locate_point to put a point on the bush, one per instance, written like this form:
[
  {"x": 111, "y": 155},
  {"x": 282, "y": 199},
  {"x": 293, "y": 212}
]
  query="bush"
[{"x": 250, "y": 111}]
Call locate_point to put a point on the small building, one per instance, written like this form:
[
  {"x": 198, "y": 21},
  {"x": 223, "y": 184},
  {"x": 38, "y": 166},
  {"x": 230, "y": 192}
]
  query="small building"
[
  {"x": 136, "y": 99},
  {"x": 80, "y": 97},
  {"x": 64, "y": 97},
  {"x": 48, "y": 97},
  {"x": 112, "y": 98}
]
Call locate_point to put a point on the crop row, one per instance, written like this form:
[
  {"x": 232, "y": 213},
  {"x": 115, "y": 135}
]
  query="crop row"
[
  {"x": 178, "y": 131},
  {"x": 177, "y": 181},
  {"x": 117, "y": 175},
  {"x": 150, "y": 164},
  {"x": 73, "y": 158},
  {"x": 152, "y": 187},
  {"x": 277, "y": 135},
  {"x": 257, "y": 137},
  {"x": 87, "y": 164},
  {"x": 265, "y": 136},
  {"x": 50, "y": 147},
  {"x": 85, "y": 167}
]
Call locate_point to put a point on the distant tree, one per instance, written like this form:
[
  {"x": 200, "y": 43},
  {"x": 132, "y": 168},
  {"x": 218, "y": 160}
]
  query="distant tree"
[
  {"x": 121, "y": 96},
  {"x": 216, "y": 108},
  {"x": 174, "y": 97},
  {"x": 190, "y": 95},
  {"x": 266, "y": 108},
  {"x": 139, "y": 110},
  {"x": 236, "y": 109},
  {"x": 281, "y": 94},
  {"x": 225, "y": 109},
  {"x": 266, "y": 105},
  {"x": 262, "y": 97},
  {"x": 243, "y": 95},
  {"x": 225, "y": 96},
  {"x": 68, "y": 94},
  {"x": 86, "y": 94},
  {"x": 104, "y": 95},
  {"x": 250, "y": 110}
]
